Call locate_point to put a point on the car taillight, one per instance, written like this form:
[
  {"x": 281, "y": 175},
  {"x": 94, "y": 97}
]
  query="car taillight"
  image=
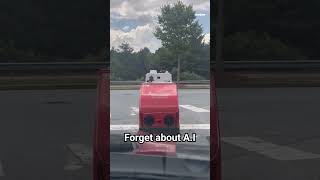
[
  {"x": 169, "y": 120},
  {"x": 148, "y": 120}
]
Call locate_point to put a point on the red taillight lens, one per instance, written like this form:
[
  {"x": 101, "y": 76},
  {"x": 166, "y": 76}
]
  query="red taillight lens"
[
  {"x": 169, "y": 120},
  {"x": 148, "y": 120}
]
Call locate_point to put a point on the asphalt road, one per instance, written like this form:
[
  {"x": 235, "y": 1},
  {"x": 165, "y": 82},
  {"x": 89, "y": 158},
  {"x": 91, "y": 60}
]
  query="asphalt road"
[
  {"x": 124, "y": 106},
  {"x": 270, "y": 133}
]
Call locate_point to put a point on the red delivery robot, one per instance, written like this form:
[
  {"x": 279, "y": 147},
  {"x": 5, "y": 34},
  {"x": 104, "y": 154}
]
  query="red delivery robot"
[{"x": 158, "y": 104}]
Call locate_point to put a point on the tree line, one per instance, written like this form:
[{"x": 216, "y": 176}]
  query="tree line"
[
  {"x": 125, "y": 64},
  {"x": 271, "y": 29},
  {"x": 33, "y": 30}
]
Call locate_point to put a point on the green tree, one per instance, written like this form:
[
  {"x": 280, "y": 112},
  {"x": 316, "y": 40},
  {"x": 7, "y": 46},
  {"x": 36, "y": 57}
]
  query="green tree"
[
  {"x": 257, "y": 46},
  {"x": 190, "y": 76},
  {"x": 144, "y": 56},
  {"x": 127, "y": 64},
  {"x": 178, "y": 30},
  {"x": 125, "y": 47},
  {"x": 53, "y": 29}
]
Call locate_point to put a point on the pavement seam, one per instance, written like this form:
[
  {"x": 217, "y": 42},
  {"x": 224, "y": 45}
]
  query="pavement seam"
[{"x": 75, "y": 155}]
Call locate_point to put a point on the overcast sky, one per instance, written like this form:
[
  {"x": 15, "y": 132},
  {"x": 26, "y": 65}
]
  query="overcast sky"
[{"x": 133, "y": 21}]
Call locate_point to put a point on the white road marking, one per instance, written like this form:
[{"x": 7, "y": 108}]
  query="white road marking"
[
  {"x": 128, "y": 127},
  {"x": 1, "y": 170},
  {"x": 134, "y": 111},
  {"x": 123, "y": 127},
  {"x": 274, "y": 151},
  {"x": 195, "y": 126},
  {"x": 206, "y": 107},
  {"x": 194, "y": 109}
]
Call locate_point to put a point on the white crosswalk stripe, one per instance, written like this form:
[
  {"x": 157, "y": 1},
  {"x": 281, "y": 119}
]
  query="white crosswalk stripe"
[
  {"x": 194, "y": 109},
  {"x": 135, "y": 110},
  {"x": 133, "y": 127},
  {"x": 1, "y": 169}
]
